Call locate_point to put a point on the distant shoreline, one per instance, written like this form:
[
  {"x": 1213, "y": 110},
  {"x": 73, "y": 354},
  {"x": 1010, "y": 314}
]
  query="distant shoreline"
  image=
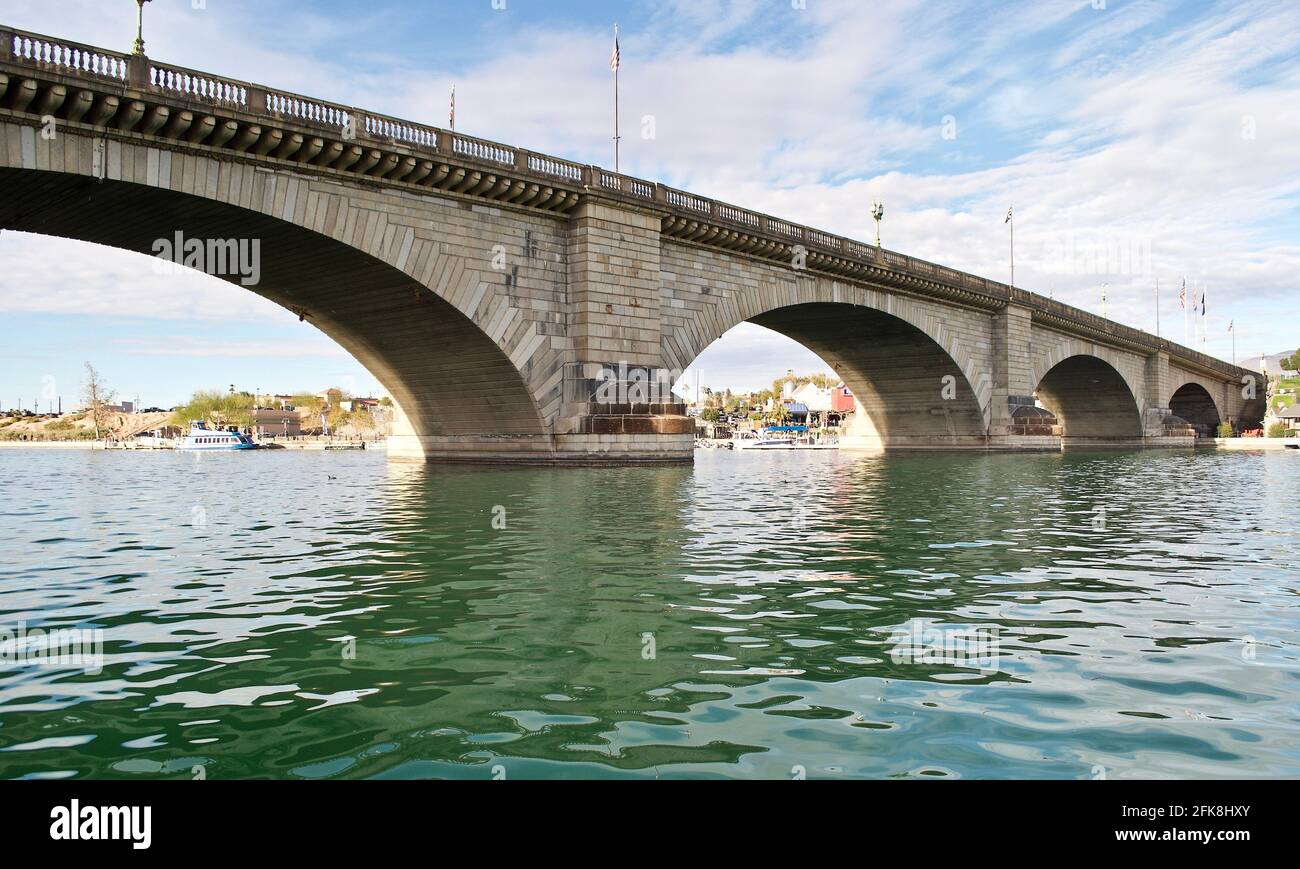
[{"x": 301, "y": 445}]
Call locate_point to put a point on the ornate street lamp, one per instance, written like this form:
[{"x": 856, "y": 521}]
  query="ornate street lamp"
[
  {"x": 877, "y": 212},
  {"x": 139, "y": 27}
]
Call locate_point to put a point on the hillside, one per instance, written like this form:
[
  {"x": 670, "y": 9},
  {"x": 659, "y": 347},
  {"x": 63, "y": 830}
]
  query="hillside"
[
  {"x": 1272, "y": 362},
  {"x": 76, "y": 426}
]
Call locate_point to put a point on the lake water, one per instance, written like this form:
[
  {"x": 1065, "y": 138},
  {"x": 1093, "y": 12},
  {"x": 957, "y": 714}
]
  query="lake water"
[{"x": 778, "y": 615}]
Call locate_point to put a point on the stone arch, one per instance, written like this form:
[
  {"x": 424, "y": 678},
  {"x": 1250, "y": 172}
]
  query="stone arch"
[
  {"x": 1062, "y": 347},
  {"x": 916, "y": 381},
  {"x": 1178, "y": 378},
  {"x": 426, "y": 320},
  {"x": 1092, "y": 401},
  {"x": 1196, "y": 404}
]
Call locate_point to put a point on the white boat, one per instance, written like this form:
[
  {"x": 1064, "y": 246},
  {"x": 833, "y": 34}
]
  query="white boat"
[
  {"x": 765, "y": 443},
  {"x": 797, "y": 439},
  {"x": 202, "y": 438}
]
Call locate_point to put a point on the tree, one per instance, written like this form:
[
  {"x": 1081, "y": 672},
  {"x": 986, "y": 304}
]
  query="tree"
[
  {"x": 212, "y": 405},
  {"x": 710, "y": 414},
  {"x": 313, "y": 404},
  {"x": 97, "y": 397},
  {"x": 1292, "y": 362}
]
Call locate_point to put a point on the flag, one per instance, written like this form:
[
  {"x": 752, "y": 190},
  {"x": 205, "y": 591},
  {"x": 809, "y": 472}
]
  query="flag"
[
  {"x": 453, "y": 107},
  {"x": 1230, "y": 322},
  {"x": 1182, "y": 296},
  {"x": 1008, "y": 220},
  {"x": 615, "y": 57},
  {"x": 1202, "y": 303}
]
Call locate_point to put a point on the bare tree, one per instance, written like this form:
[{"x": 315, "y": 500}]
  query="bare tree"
[{"x": 97, "y": 397}]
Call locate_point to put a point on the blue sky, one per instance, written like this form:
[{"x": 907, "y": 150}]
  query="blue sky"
[{"x": 1166, "y": 129}]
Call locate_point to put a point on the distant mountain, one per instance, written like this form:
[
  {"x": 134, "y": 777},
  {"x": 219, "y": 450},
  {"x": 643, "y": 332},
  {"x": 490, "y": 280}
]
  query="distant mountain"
[{"x": 1273, "y": 362}]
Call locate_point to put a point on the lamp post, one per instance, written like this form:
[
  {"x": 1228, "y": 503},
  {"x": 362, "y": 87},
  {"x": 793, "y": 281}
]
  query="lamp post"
[
  {"x": 877, "y": 212},
  {"x": 138, "y": 48}
]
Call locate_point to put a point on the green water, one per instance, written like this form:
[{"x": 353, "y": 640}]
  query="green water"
[{"x": 309, "y": 615}]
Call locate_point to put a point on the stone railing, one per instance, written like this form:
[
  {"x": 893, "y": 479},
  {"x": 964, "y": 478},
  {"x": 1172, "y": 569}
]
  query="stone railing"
[
  {"x": 60, "y": 55},
  {"x": 64, "y": 58},
  {"x": 198, "y": 86}
]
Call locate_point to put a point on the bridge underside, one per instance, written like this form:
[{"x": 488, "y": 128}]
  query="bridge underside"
[
  {"x": 451, "y": 383},
  {"x": 910, "y": 392},
  {"x": 1195, "y": 405},
  {"x": 1092, "y": 403}
]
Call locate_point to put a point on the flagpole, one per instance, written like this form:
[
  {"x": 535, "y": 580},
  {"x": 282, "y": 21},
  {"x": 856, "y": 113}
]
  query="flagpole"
[
  {"x": 617, "y": 63},
  {"x": 1185, "y": 344},
  {"x": 1205, "y": 321},
  {"x": 1157, "y": 307},
  {"x": 1198, "y": 323}
]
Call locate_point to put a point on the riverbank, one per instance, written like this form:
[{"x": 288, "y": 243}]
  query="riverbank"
[
  {"x": 1257, "y": 443},
  {"x": 302, "y": 444}
]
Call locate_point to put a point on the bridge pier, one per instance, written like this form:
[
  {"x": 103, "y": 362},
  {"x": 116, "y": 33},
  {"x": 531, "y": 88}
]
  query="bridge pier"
[
  {"x": 616, "y": 402},
  {"x": 1013, "y": 380}
]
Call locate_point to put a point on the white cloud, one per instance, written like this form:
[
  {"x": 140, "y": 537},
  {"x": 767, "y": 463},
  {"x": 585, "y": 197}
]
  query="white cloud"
[
  {"x": 48, "y": 275},
  {"x": 193, "y": 345}
]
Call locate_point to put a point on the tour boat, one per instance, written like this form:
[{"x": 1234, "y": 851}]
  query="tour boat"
[
  {"x": 203, "y": 438},
  {"x": 764, "y": 443},
  {"x": 783, "y": 437}
]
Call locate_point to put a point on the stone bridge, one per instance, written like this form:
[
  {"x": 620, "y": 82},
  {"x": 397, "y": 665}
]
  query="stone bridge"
[{"x": 522, "y": 307}]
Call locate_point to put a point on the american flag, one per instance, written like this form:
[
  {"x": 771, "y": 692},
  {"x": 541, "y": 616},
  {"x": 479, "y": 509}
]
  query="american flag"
[
  {"x": 1008, "y": 220},
  {"x": 1182, "y": 296},
  {"x": 453, "y": 107},
  {"x": 615, "y": 57}
]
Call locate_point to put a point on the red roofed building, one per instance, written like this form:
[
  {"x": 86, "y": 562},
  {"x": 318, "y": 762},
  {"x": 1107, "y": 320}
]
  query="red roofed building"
[{"x": 841, "y": 400}]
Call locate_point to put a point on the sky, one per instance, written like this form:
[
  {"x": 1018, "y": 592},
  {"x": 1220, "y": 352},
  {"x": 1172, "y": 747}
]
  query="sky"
[{"x": 1138, "y": 140}]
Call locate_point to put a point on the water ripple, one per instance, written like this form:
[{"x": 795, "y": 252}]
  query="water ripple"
[{"x": 317, "y": 615}]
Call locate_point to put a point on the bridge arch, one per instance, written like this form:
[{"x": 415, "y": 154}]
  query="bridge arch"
[
  {"x": 917, "y": 383},
  {"x": 430, "y": 323},
  {"x": 1194, "y": 403},
  {"x": 1091, "y": 399}
]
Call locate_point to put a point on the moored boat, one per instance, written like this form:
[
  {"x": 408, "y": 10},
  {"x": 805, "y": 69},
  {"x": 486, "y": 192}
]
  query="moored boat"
[{"x": 202, "y": 438}]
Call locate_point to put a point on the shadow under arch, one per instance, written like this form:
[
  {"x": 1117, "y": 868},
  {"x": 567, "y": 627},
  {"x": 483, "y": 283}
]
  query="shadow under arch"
[
  {"x": 1193, "y": 402},
  {"x": 1091, "y": 400},
  {"x": 910, "y": 392},
  {"x": 447, "y": 376}
]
